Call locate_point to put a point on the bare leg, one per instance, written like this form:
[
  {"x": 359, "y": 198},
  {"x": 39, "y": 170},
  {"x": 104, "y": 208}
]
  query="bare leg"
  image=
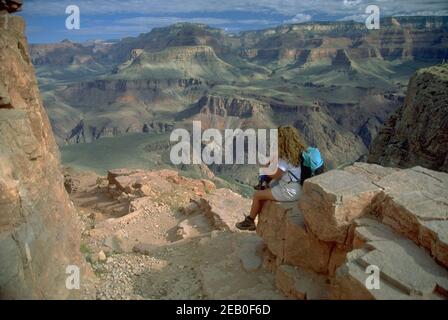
[{"x": 257, "y": 201}]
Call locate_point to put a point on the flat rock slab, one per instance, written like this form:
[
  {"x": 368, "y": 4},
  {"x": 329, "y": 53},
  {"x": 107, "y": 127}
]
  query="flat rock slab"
[
  {"x": 372, "y": 172},
  {"x": 225, "y": 208},
  {"x": 249, "y": 251},
  {"x": 331, "y": 201},
  {"x": 349, "y": 284},
  {"x": 222, "y": 273},
  {"x": 406, "y": 270},
  {"x": 157, "y": 182},
  {"x": 193, "y": 226},
  {"x": 415, "y": 204}
]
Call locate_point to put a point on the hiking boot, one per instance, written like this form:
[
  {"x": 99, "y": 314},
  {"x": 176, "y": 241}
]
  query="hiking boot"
[{"x": 247, "y": 224}]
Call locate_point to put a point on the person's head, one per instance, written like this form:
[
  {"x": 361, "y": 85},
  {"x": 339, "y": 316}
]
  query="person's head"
[{"x": 290, "y": 144}]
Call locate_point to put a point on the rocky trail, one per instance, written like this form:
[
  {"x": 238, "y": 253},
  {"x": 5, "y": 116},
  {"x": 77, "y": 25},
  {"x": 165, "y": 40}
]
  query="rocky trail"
[
  {"x": 153, "y": 235},
  {"x": 159, "y": 235}
]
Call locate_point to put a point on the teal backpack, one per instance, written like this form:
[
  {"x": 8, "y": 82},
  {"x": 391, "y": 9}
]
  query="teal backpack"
[{"x": 312, "y": 159}]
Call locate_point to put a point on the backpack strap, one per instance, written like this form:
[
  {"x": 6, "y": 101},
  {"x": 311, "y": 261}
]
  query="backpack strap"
[{"x": 292, "y": 174}]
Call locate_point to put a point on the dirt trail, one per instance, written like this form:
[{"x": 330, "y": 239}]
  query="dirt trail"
[{"x": 159, "y": 252}]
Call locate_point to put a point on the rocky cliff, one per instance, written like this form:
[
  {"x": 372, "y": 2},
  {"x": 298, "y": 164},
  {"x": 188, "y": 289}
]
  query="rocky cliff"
[
  {"x": 399, "y": 37},
  {"x": 39, "y": 234},
  {"x": 348, "y": 220},
  {"x": 417, "y": 134}
]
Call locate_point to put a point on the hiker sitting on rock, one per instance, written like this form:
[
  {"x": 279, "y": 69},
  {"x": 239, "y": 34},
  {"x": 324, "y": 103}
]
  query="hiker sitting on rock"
[{"x": 295, "y": 164}]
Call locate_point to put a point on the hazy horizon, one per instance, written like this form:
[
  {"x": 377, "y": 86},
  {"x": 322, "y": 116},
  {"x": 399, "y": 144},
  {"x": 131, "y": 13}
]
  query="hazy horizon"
[{"x": 114, "y": 20}]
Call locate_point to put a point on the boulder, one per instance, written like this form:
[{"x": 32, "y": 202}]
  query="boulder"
[
  {"x": 224, "y": 208},
  {"x": 282, "y": 228},
  {"x": 112, "y": 176},
  {"x": 271, "y": 225},
  {"x": 102, "y": 256},
  {"x": 302, "y": 248},
  {"x": 144, "y": 191},
  {"x": 331, "y": 201}
]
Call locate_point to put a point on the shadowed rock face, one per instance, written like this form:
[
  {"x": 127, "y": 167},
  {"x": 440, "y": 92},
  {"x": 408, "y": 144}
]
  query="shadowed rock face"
[
  {"x": 10, "y": 5},
  {"x": 417, "y": 134},
  {"x": 39, "y": 235}
]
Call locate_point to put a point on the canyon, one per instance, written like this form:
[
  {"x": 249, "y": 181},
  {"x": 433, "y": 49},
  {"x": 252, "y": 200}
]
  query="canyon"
[
  {"x": 155, "y": 233},
  {"x": 337, "y": 82}
]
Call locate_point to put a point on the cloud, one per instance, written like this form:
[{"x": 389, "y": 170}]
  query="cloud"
[
  {"x": 299, "y": 18},
  {"x": 162, "y": 21},
  {"x": 119, "y": 18},
  {"x": 355, "y": 17},
  {"x": 424, "y": 13},
  {"x": 352, "y": 3},
  {"x": 313, "y": 7}
]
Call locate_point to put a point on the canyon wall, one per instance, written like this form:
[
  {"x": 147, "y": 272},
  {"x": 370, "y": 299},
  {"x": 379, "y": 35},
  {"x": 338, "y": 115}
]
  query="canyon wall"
[
  {"x": 417, "y": 134},
  {"x": 39, "y": 234}
]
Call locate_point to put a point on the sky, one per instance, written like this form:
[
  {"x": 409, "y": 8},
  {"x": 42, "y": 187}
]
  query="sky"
[{"x": 114, "y": 19}]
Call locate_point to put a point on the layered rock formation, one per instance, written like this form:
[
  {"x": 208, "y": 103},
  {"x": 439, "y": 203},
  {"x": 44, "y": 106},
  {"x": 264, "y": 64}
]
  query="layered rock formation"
[
  {"x": 417, "y": 134},
  {"x": 336, "y": 82},
  {"x": 399, "y": 37},
  {"x": 62, "y": 54},
  {"x": 39, "y": 236},
  {"x": 130, "y": 107},
  {"x": 350, "y": 219}
]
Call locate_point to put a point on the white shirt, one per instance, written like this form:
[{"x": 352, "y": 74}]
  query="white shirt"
[{"x": 285, "y": 167}]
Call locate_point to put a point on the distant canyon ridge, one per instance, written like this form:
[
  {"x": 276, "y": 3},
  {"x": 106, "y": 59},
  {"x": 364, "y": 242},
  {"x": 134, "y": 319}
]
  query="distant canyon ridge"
[{"x": 337, "y": 82}]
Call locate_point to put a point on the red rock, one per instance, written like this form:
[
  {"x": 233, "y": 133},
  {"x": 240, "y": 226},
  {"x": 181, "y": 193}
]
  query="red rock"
[
  {"x": 39, "y": 229},
  {"x": 302, "y": 248},
  {"x": 331, "y": 201},
  {"x": 271, "y": 226}
]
